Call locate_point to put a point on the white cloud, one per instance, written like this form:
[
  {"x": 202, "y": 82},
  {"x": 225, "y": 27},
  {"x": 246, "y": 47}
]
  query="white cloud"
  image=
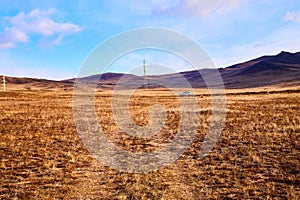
[
  {"x": 205, "y": 8},
  {"x": 165, "y": 5},
  {"x": 200, "y": 8},
  {"x": 11, "y": 36},
  {"x": 38, "y": 22},
  {"x": 292, "y": 16}
]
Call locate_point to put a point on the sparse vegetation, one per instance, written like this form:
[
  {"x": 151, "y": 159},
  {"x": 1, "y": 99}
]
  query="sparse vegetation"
[{"x": 257, "y": 155}]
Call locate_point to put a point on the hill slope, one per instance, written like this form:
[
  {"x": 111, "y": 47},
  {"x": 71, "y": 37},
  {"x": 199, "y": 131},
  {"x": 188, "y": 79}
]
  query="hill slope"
[{"x": 282, "y": 69}]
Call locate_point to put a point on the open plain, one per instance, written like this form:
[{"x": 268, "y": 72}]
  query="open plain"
[{"x": 257, "y": 155}]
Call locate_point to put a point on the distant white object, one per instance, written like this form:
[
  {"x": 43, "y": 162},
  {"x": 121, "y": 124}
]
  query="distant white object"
[{"x": 185, "y": 93}]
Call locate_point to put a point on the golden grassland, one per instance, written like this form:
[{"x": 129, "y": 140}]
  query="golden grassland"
[{"x": 257, "y": 155}]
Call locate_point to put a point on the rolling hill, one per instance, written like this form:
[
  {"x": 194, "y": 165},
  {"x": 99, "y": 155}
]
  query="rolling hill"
[{"x": 282, "y": 69}]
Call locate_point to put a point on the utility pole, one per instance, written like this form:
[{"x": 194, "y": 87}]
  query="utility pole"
[
  {"x": 4, "y": 86},
  {"x": 145, "y": 78}
]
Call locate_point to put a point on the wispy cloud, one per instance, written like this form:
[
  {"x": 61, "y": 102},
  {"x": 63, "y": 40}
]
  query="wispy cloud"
[
  {"x": 200, "y": 8},
  {"x": 12, "y": 65},
  {"x": 11, "y": 36},
  {"x": 272, "y": 44},
  {"x": 292, "y": 16},
  {"x": 133, "y": 62},
  {"x": 264, "y": 43},
  {"x": 37, "y": 22}
]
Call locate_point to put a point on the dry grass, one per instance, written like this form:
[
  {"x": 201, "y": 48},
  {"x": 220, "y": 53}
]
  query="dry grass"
[{"x": 256, "y": 157}]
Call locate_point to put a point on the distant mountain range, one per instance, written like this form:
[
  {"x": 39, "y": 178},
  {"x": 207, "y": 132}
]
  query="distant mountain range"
[{"x": 282, "y": 69}]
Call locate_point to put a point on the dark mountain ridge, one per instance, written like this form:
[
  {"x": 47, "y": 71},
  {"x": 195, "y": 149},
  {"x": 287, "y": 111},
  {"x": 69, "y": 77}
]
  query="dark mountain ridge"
[{"x": 283, "y": 68}]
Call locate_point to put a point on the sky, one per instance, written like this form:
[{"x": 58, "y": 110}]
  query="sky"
[{"x": 51, "y": 39}]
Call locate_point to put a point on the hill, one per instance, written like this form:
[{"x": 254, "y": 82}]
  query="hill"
[{"x": 282, "y": 69}]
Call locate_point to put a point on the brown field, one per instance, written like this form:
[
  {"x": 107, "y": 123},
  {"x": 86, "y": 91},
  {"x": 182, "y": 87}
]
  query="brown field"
[{"x": 257, "y": 155}]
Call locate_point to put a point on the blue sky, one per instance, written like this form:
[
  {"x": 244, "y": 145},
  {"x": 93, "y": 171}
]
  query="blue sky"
[{"x": 51, "y": 39}]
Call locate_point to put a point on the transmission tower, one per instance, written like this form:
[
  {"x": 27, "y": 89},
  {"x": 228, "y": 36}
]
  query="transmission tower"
[{"x": 145, "y": 78}]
